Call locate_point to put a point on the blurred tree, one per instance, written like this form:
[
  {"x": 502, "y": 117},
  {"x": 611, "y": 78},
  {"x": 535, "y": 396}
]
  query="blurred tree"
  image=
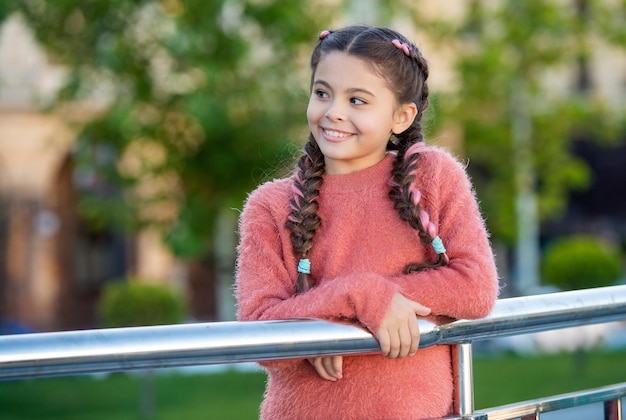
[
  {"x": 139, "y": 302},
  {"x": 8, "y": 7},
  {"x": 504, "y": 74},
  {"x": 517, "y": 124},
  {"x": 198, "y": 94},
  {"x": 186, "y": 100},
  {"x": 581, "y": 262}
]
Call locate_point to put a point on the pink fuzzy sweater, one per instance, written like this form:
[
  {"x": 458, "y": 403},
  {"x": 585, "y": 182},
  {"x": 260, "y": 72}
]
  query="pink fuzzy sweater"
[{"x": 358, "y": 256}]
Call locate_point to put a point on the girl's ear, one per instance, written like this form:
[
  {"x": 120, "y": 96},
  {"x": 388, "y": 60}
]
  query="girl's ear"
[{"x": 403, "y": 117}]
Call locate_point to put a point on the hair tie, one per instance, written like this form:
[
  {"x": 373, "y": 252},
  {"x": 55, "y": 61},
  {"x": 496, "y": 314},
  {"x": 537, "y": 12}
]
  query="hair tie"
[
  {"x": 304, "y": 266},
  {"x": 406, "y": 48},
  {"x": 437, "y": 244},
  {"x": 324, "y": 34}
]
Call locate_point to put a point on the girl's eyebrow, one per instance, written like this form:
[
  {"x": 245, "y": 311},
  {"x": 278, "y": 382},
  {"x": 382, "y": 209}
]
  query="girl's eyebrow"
[{"x": 350, "y": 90}]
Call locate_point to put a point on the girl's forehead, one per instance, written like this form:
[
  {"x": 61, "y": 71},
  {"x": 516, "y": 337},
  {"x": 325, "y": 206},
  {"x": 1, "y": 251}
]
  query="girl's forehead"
[
  {"x": 344, "y": 59},
  {"x": 344, "y": 68}
]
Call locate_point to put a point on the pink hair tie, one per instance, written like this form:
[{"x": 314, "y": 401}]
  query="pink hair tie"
[
  {"x": 324, "y": 34},
  {"x": 402, "y": 46}
]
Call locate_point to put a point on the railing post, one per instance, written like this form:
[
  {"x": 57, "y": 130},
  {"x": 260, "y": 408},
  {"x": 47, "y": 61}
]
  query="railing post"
[
  {"x": 613, "y": 409},
  {"x": 463, "y": 380}
]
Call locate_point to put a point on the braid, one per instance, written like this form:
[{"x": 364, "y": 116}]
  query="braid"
[
  {"x": 404, "y": 192},
  {"x": 303, "y": 220}
]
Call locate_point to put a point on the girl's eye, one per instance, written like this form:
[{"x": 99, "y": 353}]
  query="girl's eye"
[
  {"x": 321, "y": 94},
  {"x": 358, "y": 101}
]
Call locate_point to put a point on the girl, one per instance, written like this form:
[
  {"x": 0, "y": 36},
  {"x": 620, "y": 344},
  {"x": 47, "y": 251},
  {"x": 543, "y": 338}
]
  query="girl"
[{"x": 373, "y": 227}]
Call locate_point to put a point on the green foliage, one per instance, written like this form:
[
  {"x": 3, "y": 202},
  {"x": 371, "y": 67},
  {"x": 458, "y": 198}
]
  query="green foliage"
[
  {"x": 6, "y": 8},
  {"x": 581, "y": 262},
  {"x": 199, "y": 98},
  {"x": 135, "y": 303},
  {"x": 505, "y": 52},
  {"x": 202, "y": 97}
]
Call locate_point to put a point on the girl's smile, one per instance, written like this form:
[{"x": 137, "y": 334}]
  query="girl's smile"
[{"x": 335, "y": 135}]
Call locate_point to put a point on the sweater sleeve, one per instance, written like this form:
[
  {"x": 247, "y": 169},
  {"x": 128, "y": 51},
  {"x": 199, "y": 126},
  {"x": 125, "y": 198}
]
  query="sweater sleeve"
[
  {"x": 266, "y": 272},
  {"x": 467, "y": 287}
]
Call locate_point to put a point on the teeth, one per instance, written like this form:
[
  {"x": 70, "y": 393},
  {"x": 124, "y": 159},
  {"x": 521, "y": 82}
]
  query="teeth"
[{"x": 338, "y": 134}]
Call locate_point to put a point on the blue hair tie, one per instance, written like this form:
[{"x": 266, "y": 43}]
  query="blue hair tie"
[
  {"x": 437, "y": 244},
  {"x": 304, "y": 266}
]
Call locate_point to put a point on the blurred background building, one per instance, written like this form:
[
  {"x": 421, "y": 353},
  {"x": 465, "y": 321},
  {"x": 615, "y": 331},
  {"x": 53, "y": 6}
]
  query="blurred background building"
[{"x": 53, "y": 264}]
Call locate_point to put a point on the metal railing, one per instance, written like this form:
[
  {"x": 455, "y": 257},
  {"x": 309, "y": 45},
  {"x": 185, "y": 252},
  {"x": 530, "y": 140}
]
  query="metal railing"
[{"x": 120, "y": 349}]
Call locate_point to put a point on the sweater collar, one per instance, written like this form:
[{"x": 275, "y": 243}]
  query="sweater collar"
[{"x": 373, "y": 177}]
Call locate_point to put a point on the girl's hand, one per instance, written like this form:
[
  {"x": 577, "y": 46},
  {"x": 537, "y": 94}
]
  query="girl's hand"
[
  {"x": 399, "y": 334},
  {"x": 329, "y": 368}
]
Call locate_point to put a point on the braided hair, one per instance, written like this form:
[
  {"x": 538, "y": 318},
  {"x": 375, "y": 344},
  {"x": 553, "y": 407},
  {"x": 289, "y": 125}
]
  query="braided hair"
[{"x": 404, "y": 68}]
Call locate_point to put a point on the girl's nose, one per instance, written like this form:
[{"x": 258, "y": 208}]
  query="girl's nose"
[{"x": 334, "y": 112}]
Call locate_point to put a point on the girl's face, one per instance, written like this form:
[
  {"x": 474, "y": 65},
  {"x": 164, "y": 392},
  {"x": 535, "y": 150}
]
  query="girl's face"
[{"x": 352, "y": 113}]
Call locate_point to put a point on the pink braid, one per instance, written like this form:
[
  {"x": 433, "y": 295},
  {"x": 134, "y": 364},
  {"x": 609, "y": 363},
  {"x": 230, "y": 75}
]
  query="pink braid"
[
  {"x": 415, "y": 194},
  {"x": 418, "y": 147},
  {"x": 296, "y": 191},
  {"x": 428, "y": 226}
]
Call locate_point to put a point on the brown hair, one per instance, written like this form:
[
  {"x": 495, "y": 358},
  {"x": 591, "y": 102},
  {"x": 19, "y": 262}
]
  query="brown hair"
[{"x": 406, "y": 76}]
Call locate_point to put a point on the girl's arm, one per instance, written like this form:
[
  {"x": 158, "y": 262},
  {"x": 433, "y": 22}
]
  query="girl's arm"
[
  {"x": 266, "y": 273},
  {"x": 265, "y": 285},
  {"x": 468, "y": 286}
]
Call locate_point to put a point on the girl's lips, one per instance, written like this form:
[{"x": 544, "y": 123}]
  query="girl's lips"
[{"x": 335, "y": 135}]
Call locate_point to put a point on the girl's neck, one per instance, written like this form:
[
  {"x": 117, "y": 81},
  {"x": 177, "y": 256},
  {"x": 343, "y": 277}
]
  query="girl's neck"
[{"x": 361, "y": 180}]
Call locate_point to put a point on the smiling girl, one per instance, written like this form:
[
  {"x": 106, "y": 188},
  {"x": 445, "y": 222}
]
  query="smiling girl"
[{"x": 373, "y": 227}]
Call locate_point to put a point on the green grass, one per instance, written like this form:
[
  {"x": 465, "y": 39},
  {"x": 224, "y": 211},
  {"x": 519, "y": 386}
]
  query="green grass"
[
  {"x": 237, "y": 395},
  {"x": 508, "y": 379},
  {"x": 227, "y": 395}
]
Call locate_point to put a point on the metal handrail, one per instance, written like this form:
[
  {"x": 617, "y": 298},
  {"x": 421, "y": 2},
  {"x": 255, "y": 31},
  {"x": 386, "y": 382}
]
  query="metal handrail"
[
  {"x": 106, "y": 350},
  {"x": 609, "y": 395}
]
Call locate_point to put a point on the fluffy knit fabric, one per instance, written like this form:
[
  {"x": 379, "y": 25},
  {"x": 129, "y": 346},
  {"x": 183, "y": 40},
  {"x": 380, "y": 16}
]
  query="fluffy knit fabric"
[{"x": 357, "y": 260}]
